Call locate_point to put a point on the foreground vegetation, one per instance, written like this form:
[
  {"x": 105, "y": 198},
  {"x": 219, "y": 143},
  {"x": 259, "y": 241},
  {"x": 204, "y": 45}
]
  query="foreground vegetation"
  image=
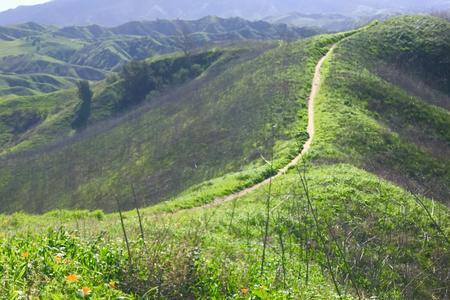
[{"x": 369, "y": 236}]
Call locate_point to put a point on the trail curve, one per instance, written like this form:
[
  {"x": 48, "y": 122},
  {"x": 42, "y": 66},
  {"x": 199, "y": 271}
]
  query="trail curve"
[{"x": 316, "y": 82}]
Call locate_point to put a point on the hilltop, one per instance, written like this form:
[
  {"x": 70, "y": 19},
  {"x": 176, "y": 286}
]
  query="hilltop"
[{"x": 387, "y": 104}]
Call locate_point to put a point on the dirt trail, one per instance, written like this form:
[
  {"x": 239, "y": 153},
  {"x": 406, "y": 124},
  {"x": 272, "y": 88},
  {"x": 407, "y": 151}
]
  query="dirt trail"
[{"x": 310, "y": 129}]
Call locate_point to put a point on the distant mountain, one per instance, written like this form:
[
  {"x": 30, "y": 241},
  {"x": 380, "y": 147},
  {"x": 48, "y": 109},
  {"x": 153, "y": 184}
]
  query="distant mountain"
[
  {"x": 328, "y": 22},
  {"x": 36, "y": 58},
  {"x": 115, "y": 12}
]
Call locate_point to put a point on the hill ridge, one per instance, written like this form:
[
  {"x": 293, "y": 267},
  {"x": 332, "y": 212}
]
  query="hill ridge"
[
  {"x": 94, "y": 52},
  {"x": 315, "y": 86}
]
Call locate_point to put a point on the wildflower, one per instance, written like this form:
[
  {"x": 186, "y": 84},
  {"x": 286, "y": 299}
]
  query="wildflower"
[
  {"x": 84, "y": 292},
  {"x": 112, "y": 284},
  {"x": 25, "y": 254},
  {"x": 72, "y": 278},
  {"x": 58, "y": 258},
  {"x": 244, "y": 291}
]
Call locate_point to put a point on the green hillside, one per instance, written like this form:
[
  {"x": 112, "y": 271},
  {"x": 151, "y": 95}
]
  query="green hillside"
[
  {"x": 369, "y": 234},
  {"x": 216, "y": 124},
  {"x": 355, "y": 218},
  {"x": 46, "y": 119},
  {"x": 382, "y": 121},
  {"x": 41, "y": 59}
]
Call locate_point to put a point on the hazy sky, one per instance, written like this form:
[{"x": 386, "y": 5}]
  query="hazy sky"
[{"x": 6, "y": 4}]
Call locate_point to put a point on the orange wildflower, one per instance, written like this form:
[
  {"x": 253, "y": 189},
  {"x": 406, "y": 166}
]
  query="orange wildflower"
[
  {"x": 25, "y": 254},
  {"x": 84, "y": 292},
  {"x": 72, "y": 278},
  {"x": 244, "y": 291}
]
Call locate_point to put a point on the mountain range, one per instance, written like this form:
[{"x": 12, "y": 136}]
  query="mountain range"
[
  {"x": 38, "y": 58},
  {"x": 115, "y": 12}
]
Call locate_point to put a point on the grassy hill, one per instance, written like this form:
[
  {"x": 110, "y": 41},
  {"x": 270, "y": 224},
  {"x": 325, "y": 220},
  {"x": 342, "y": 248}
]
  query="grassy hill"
[
  {"x": 386, "y": 104},
  {"x": 41, "y": 59},
  {"x": 43, "y": 120},
  {"x": 331, "y": 228},
  {"x": 216, "y": 124},
  {"x": 373, "y": 237}
]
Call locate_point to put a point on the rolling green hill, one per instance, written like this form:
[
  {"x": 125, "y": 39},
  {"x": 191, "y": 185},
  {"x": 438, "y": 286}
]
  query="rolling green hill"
[
  {"x": 346, "y": 222},
  {"x": 386, "y": 104},
  {"x": 40, "y": 59},
  {"x": 216, "y": 124},
  {"x": 47, "y": 118}
]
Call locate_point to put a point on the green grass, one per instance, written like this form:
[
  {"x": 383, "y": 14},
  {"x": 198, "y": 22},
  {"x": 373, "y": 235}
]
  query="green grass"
[
  {"x": 373, "y": 122},
  {"x": 332, "y": 227},
  {"x": 381, "y": 226},
  {"x": 55, "y": 111},
  {"x": 45, "y": 263},
  {"x": 217, "y": 124}
]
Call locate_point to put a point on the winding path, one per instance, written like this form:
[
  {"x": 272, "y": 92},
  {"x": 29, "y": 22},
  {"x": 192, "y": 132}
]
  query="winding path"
[{"x": 310, "y": 129}]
